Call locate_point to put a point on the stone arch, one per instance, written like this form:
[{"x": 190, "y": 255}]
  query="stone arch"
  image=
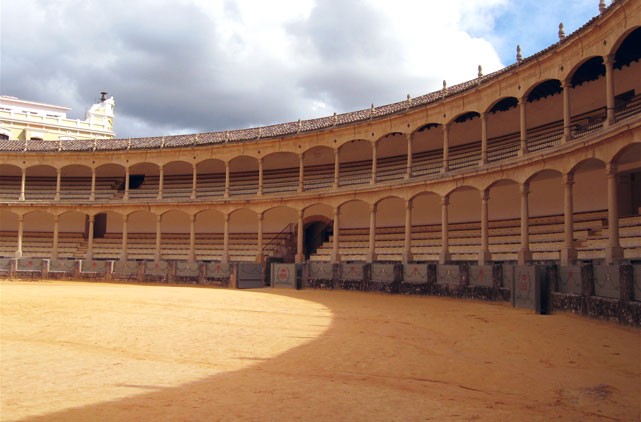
[
  {"x": 210, "y": 178},
  {"x": 318, "y": 163},
  {"x": 318, "y": 224},
  {"x": 391, "y": 156},
  {"x": 427, "y": 149},
  {"x": 280, "y": 172},
  {"x": 40, "y": 182},
  {"x": 11, "y": 177}
]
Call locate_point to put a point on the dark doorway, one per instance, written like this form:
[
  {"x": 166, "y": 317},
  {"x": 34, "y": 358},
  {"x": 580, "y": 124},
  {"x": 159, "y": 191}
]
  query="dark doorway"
[{"x": 316, "y": 233}]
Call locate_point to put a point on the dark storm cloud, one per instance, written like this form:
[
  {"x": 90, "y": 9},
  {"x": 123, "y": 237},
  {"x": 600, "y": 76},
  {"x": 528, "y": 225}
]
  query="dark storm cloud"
[{"x": 160, "y": 61}]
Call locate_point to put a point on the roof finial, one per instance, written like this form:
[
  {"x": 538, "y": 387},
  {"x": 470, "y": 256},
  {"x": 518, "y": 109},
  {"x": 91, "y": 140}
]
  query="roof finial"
[
  {"x": 561, "y": 32},
  {"x": 408, "y": 102},
  {"x": 480, "y": 74},
  {"x": 335, "y": 119},
  {"x": 519, "y": 57},
  {"x": 602, "y": 7},
  {"x": 371, "y": 111},
  {"x": 444, "y": 90},
  {"x": 299, "y": 126}
]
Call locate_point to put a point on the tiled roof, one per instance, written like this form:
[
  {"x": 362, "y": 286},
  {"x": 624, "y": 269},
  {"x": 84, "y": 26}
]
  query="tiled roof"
[{"x": 277, "y": 130}]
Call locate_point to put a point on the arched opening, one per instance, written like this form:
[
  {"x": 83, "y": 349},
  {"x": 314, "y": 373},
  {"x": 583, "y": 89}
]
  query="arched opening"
[
  {"x": 427, "y": 149},
  {"x": 280, "y": 172},
  {"x": 627, "y": 67},
  {"x": 209, "y": 228},
  {"x": 390, "y": 229},
  {"x": 243, "y": 235},
  {"x": 587, "y": 97},
  {"x": 11, "y": 181},
  {"x": 464, "y": 223},
  {"x": 40, "y": 183},
  {"x": 544, "y": 112},
  {"x": 210, "y": 180},
  {"x": 464, "y": 141},
  {"x": 178, "y": 178},
  {"x": 318, "y": 164},
  {"x": 353, "y": 230},
  {"x": 175, "y": 231},
  {"x": 503, "y": 130},
  {"x": 391, "y": 157},
  {"x": 8, "y": 233},
  {"x": 143, "y": 181},
  {"x": 355, "y": 158},
  {"x": 75, "y": 183},
  {"x": 426, "y": 227},
  {"x": 319, "y": 227},
  {"x": 243, "y": 176},
  {"x": 110, "y": 182},
  {"x": 504, "y": 220},
  {"x": 37, "y": 240}
]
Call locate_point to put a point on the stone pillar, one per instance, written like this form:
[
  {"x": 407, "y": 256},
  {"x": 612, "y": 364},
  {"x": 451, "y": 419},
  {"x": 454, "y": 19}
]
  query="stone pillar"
[
  {"x": 374, "y": 164},
  {"x": 484, "y": 253},
  {"x": 158, "y": 237},
  {"x": 58, "y": 180},
  {"x": 20, "y": 233},
  {"x": 226, "y": 195},
  {"x": 407, "y": 241},
  {"x": 92, "y": 219},
  {"x": 609, "y": 89},
  {"x": 336, "y": 256},
  {"x": 194, "y": 181},
  {"x": 444, "y": 256},
  {"x": 23, "y": 184},
  {"x": 446, "y": 147},
  {"x": 568, "y": 252},
  {"x": 301, "y": 174},
  {"x": 56, "y": 228},
  {"x": 126, "y": 195},
  {"x": 613, "y": 252},
  {"x": 259, "y": 255},
  {"x": 192, "y": 238},
  {"x": 260, "y": 176},
  {"x": 300, "y": 255},
  {"x": 483, "y": 139},
  {"x": 161, "y": 182},
  {"x": 92, "y": 195},
  {"x": 567, "y": 117},
  {"x": 336, "y": 169},
  {"x": 123, "y": 251},
  {"x": 225, "y": 256},
  {"x": 408, "y": 169},
  {"x": 523, "y": 124},
  {"x": 371, "y": 251},
  {"x": 525, "y": 255}
]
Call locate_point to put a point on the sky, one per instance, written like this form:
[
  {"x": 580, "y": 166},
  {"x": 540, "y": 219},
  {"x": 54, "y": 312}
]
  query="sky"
[{"x": 185, "y": 66}]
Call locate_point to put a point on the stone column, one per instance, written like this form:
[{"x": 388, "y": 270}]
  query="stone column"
[
  {"x": 92, "y": 219},
  {"x": 336, "y": 256},
  {"x": 161, "y": 182},
  {"x": 260, "y": 176},
  {"x": 609, "y": 89},
  {"x": 371, "y": 251},
  {"x": 336, "y": 169},
  {"x": 374, "y": 164},
  {"x": 56, "y": 228},
  {"x": 225, "y": 256},
  {"x": 446, "y": 147},
  {"x": 444, "y": 256},
  {"x": 407, "y": 241},
  {"x": 525, "y": 255},
  {"x": 567, "y": 117},
  {"x": 92, "y": 195},
  {"x": 568, "y": 252},
  {"x": 614, "y": 251},
  {"x": 301, "y": 174},
  {"x": 408, "y": 169},
  {"x": 523, "y": 124},
  {"x": 484, "y": 253},
  {"x": 483, "y": 139},
  {"x": 300, "y": 239},
  {"x": 58, "y": 180},
  {"x": 23, "y": 184},
  {"x": 123, "y": 252},
  {"x": 226, "y": 195},
  {"x": 259, "y": 255},
  {"x": 158, "y": 237},
  {"x": 194, "y": 181},
  {"x": 20, "y": 233},
  {"x": 126, "y": 195},
  {"x": 192, "y": 238}
]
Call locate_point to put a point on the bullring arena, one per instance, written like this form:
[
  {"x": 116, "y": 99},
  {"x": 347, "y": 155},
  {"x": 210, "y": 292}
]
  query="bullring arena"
[{"x": 388, "y": 263}]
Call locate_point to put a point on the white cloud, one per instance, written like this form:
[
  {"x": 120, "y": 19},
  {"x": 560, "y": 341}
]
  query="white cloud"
[{"x": 203, "y": 65}]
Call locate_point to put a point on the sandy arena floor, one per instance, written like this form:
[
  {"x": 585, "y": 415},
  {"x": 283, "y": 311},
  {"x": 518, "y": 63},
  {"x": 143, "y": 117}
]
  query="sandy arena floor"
[{"x": 93, "y": 351}]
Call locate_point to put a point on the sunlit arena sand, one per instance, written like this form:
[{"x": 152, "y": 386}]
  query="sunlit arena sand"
[{"x": 95, "y": 351}]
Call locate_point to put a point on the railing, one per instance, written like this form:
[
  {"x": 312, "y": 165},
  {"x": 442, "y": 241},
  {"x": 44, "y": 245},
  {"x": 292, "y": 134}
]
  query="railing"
[{"x": 289, "y": 228}]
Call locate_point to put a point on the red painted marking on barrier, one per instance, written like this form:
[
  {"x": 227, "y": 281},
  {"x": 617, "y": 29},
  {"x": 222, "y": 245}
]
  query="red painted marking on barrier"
[
  {"x": 524, "y": 285},
  {"x": 283, "y": 274}
]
